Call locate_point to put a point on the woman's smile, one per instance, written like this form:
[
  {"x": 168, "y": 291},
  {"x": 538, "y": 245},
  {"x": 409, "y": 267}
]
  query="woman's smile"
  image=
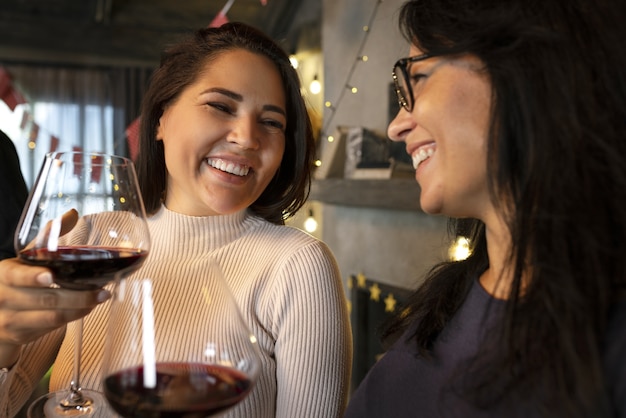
[
  {"x": 229, "y": 166},
  {"x": 422, "y": 154}
]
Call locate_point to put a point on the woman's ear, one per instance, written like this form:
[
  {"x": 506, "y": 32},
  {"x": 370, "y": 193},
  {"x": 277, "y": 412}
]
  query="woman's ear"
[{"x": 159, "y": 132}]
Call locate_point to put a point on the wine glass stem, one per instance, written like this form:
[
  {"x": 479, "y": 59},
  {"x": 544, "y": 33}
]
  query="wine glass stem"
[{"x": 75, "y": 397}]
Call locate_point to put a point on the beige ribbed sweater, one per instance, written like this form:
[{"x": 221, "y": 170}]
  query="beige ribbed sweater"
[{"x": 288, "y": 287}]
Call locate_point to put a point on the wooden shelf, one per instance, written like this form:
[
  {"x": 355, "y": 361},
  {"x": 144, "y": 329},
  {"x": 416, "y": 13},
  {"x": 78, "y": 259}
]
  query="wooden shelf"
[{"x": 400, "y": 194}]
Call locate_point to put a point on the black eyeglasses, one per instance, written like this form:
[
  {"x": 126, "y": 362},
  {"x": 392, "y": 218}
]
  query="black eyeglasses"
[{"x": 401, "y": 79}]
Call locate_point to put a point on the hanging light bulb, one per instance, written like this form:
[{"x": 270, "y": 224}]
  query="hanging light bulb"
[
  {"x": 460, "y": 249},
  {"x": 294, "y": 61},
  {"x": 315, "y": 87},
  {"x": 310, "y": 224}
]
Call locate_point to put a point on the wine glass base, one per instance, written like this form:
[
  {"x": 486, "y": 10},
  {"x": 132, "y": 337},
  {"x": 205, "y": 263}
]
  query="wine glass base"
[{"x": 50, "y": 406}]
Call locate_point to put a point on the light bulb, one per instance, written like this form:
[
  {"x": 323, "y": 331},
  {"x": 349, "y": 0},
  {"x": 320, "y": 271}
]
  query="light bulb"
[
  {"x": 315, "y": 87},
  {"x": 460, "y": 249},
  {"x": 310, "y": 225}
]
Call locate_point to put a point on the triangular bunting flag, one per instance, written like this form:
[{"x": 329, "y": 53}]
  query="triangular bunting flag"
[
  {"x": 96, "y": 168},
  {"x": 54, "y": 143},
  {"x": 77, "y": 160},
  {"x": 132, "y": 138},
  {"x": 8, "y": 92},
  {"x": 33, "y": 135},
  {"x": 218, "y": 20}
]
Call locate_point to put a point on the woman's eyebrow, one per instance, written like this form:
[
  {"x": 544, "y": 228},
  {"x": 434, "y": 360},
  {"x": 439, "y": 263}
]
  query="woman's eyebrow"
[
  {"x": 277, "y": 109},
  {"x": 238, "y": 97},
  {"x": 225, "y": 92}
]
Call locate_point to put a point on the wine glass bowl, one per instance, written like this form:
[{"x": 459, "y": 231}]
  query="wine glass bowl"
[
  {"x": 85, "y": 221},
  {"x": 159, "y": 363}
]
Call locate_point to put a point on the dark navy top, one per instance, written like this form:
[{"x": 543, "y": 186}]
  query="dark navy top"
[{"x": 404, "y": 384}]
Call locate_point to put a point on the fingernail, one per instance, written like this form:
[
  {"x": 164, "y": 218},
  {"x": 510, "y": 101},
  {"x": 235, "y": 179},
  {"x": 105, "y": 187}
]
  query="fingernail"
[
  {"x": 44, "y": 278},
  {"x": 103, "y": 295}
]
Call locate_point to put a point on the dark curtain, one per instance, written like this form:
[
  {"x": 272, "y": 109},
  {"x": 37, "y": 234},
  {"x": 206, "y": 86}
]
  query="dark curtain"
[{"x": 88, "y": 108}]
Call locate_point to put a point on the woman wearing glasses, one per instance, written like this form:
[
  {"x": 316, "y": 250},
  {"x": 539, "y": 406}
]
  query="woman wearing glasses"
[{"x": 514, "y": 114}]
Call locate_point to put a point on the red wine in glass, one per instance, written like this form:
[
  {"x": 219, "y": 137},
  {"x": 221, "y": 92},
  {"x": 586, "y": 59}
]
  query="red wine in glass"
[
  {"x": 161, "y": 363},
  {"x": 175, "y": 390},
  {"x": 84, "y": 267},
  {"x": 84, "y": 220}
]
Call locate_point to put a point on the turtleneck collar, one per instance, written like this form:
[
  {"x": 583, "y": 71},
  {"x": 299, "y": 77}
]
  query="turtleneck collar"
[{"x": 199, "y": 233}]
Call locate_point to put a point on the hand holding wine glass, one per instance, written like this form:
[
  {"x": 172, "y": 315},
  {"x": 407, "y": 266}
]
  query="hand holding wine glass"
[
  {"x": 159, "y": 364},
  {"x": 85, "y": 221}
]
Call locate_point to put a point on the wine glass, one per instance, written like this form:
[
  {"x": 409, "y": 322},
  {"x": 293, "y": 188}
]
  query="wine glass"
[
  {"x": 177, "y": 348},
  {"x": 85, "y": 220}
]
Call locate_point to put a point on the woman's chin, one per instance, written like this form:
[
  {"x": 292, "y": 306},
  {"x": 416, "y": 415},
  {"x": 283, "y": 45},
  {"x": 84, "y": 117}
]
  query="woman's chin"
[{"x": 429, "y": 206}]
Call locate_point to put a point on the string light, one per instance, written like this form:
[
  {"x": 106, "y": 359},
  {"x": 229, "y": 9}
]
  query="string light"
[
  {"x": 315, "y": 87},
  {"x": 460, "y": 249},
  {"x": 360, "y": 57},
  {"x": 310, "y": 224},
  {"x": 294, "y": 61}
]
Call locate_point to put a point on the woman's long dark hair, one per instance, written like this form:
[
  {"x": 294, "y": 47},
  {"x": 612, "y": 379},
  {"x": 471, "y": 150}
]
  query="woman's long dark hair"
[
  {"x": 180, "y": 66},
  {"x": 557, "y": 166}
]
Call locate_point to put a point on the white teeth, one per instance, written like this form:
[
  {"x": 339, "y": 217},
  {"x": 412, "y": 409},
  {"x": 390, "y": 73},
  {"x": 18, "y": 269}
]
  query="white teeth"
[
  {"x": 228, "y": 167},
  {"x": 422, "y": 154}
]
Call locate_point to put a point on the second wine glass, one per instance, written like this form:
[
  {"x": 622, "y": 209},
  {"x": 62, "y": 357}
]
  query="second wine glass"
[
  {"x": 85, "y": 220},
  {"x": 159, "y": 363}
]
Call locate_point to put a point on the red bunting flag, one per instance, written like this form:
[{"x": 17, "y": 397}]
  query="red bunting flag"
[
  {"x": 221, "y": 18},
  {"x": 25, "y": 119},
  {"x": 33, "y": 135},
  {"x": 132, "y": 138},
  {"x": 96, "y": 168},
  {"x": 218, "y": 20},
  {"x": 77, "y": 160},
  {"x": 54, "y": 143},
  {"x": 8, "y": 93}
]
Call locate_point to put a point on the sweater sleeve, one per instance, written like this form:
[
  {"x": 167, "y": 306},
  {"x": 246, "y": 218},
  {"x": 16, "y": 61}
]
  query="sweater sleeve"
[
  {"x": 35, "y": 360},
  {"x": 314, "y": 345}
]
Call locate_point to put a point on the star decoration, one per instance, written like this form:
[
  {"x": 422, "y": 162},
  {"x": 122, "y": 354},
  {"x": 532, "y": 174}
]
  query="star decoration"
[
  {"x": 360, "y": 280},
  {"x": 350, "y": 282},
  {"x": 375, "y": 292},
  {"x": 390, "y": 303}
]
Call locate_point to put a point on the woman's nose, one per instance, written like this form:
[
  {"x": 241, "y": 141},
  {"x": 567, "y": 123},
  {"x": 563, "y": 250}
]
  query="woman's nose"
[
  {"x": 244, "y": 133},
  {"x": 401, "y": 125}
]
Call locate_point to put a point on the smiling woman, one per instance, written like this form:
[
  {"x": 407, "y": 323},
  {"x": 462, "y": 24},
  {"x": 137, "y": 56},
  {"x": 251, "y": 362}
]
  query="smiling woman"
[
  {"x": 226, "y": 152},
  {"x": 515, "y": 123},
  {"x": 223, "y": 145}
]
